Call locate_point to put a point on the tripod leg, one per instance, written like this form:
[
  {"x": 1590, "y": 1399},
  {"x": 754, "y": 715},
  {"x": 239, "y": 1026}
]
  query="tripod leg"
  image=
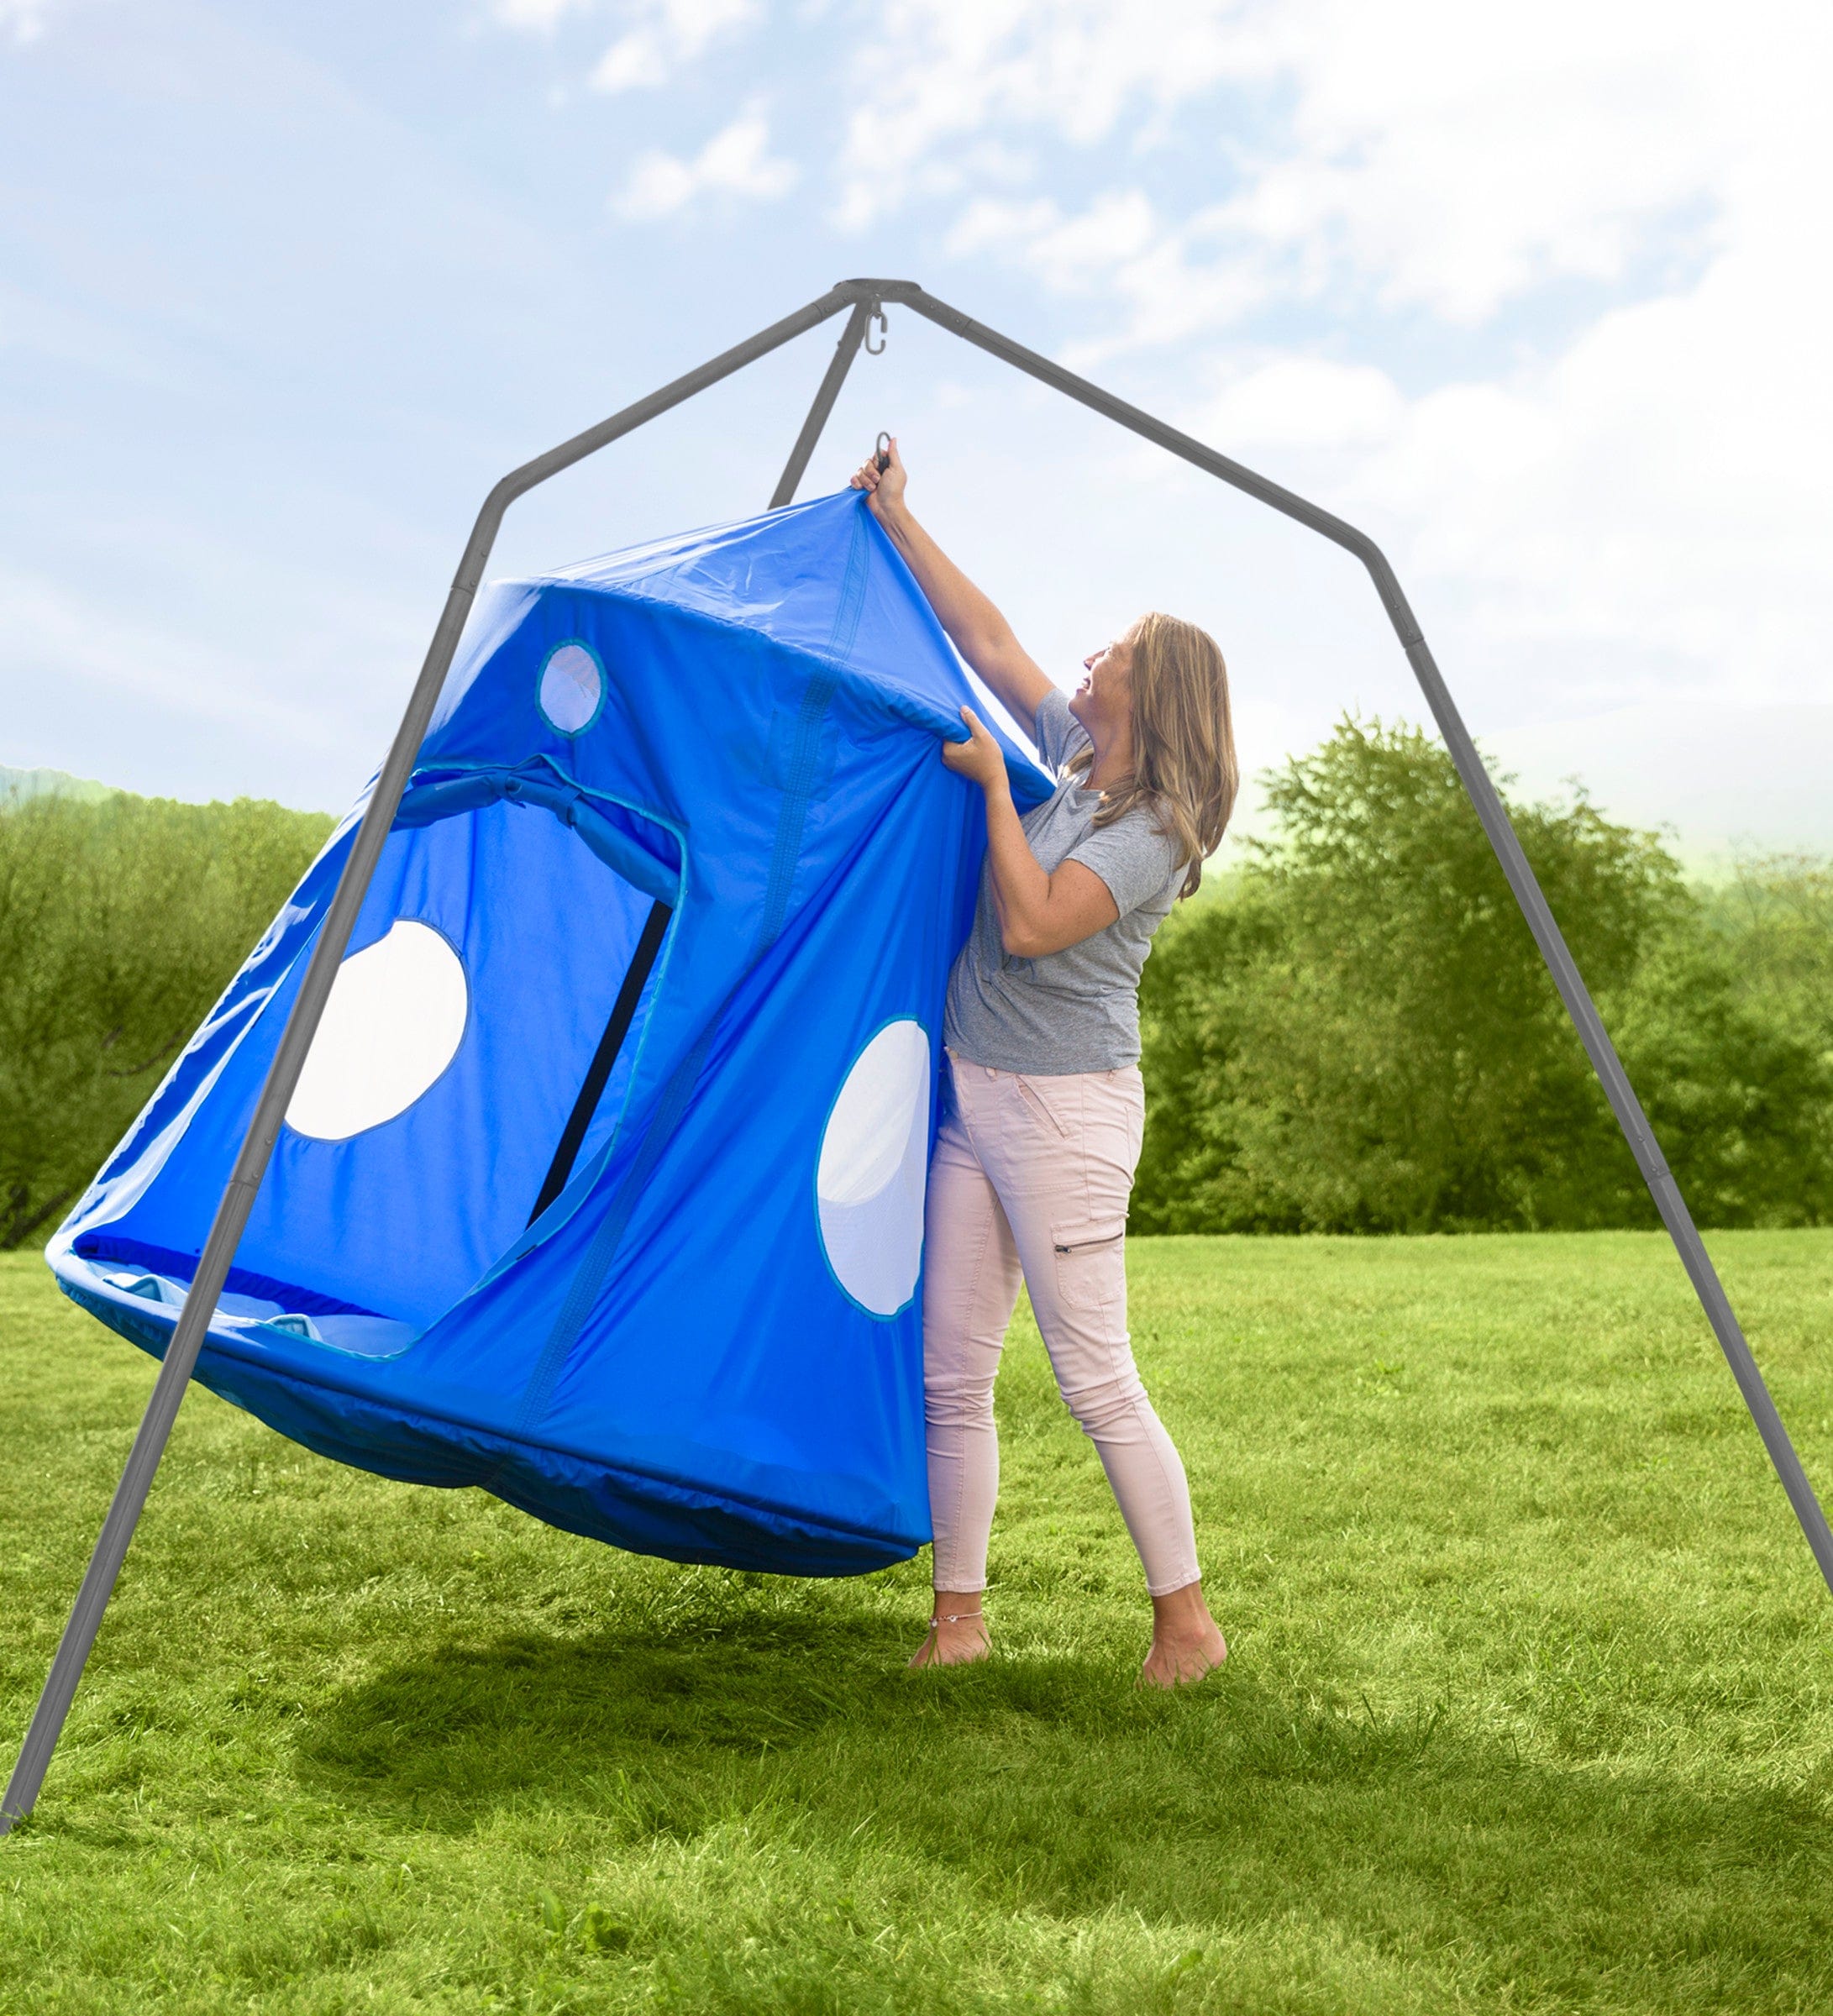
[{"x": 833, "y": 378}]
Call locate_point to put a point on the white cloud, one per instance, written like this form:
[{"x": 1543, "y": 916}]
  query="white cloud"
[
  {"x": 1308, "y": 402},
  {"x": 1656, "y": 498},
  {"x": 991, "y": 222},
  {"x": 539, "y": 17},
  {"x": 670, "y": 33},
  {"x": 1455, "y": 158},
  {"x": 1647, "y": 505},
  {"x": 1438, "y": 153},
  {"x": 636, "y": 59},
  {"x": 735, "y": 162},
  {"x": 22, "y": 20},
  {"x": 940, "y": 71},
  {"x": 1115, "y": 229},
  {"x": 1645, "y": 513},
  {"x": 1165, "y": 276}
]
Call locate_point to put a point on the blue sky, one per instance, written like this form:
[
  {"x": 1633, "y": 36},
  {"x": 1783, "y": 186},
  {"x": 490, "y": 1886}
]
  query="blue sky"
[{"x": 1538, "y": 299}]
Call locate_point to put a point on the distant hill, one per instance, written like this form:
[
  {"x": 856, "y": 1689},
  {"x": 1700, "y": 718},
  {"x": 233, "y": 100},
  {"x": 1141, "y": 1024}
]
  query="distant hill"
[{"x": 16, "y": 786}]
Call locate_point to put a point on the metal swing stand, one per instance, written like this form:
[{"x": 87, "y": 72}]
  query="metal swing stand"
[{"x": 866, "y": 300}]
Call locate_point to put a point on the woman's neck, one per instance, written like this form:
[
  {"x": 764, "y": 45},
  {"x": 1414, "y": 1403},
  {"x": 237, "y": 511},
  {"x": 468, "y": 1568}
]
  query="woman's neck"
[{"x": 1113, "y": 763}]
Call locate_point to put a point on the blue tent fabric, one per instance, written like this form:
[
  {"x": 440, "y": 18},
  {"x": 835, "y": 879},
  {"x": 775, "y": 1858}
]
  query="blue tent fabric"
[{"x": 708, "y": 1346}]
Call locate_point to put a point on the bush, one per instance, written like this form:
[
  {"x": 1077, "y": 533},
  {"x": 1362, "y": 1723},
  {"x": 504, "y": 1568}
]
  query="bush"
[
  {"x": 120, "y": 920},
  {"x": 1362, "y": 1036},
  {"x": 1775, "y": 916},
  {"x": 1740, "y": 1099}
]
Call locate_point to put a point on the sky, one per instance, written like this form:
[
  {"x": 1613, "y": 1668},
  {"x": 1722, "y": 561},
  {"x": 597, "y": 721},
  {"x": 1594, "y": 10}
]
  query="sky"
[{"x": 1538, "y": 297}]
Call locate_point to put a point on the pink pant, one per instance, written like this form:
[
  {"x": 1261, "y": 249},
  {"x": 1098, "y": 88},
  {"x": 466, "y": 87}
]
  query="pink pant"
[{"x": 1034, "y": 1173}]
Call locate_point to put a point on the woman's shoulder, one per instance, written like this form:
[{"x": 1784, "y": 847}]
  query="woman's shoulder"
[
  {"x": 1137, "y": 855},
  {"x": 1149, "y": 828}
]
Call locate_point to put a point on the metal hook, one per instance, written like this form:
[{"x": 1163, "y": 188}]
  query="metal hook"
[
  {"x": 882, "y": 448},
  {"x": 877, "y": 316}
]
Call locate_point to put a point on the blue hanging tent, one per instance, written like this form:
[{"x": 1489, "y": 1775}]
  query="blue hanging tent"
[{"x": 602, "y": 1186}]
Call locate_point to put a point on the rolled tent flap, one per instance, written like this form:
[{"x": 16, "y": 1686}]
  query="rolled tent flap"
[
  {"x": 655, "y": 953},
  {"x": 607, "y": 830}
]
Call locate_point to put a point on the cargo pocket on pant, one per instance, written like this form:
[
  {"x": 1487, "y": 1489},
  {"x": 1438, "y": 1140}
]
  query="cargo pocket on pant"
[{"x": 1091, "y": 1261}]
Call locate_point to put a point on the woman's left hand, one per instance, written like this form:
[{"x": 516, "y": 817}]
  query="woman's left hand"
[{"x": 980, "y": 758}]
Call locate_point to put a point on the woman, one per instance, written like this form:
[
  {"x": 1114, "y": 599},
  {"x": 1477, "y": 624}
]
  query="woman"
[{"x": 1035, "y": 1159}]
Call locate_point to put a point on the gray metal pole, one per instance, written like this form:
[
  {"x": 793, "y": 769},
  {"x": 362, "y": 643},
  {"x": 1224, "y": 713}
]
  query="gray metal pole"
[
  {"x": 1494, "y": 814},
  {"x": 295, "y": 1040},
  {"x": 851, "y": 337}
]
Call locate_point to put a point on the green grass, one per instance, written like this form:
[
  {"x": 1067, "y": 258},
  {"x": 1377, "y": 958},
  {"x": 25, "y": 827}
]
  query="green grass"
[{"x": 1529, "y": 1707}]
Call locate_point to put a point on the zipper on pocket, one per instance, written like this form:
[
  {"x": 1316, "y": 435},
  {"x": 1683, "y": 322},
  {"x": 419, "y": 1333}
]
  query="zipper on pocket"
[{"x": 1080, "y": 1246}]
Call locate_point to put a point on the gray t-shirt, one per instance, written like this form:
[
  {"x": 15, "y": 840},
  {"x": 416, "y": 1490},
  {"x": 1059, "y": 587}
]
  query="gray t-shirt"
[{"x": 1076, "y": 1010}]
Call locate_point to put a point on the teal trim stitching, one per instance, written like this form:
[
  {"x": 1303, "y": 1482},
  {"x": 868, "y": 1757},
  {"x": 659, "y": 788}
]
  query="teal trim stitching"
[{"x": 598, "y": 706}]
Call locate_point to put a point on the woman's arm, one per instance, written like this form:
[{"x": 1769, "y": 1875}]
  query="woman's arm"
[
  {"x": 981, "y": 635},
  {"x": 1039, "y": 912}
]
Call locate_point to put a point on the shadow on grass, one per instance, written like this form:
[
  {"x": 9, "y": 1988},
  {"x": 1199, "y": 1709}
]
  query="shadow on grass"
[
  {"x": 1055, "y": 1784},
  {"x": 545, "y": 1716},
  {"x": 538, "y": 1714}
]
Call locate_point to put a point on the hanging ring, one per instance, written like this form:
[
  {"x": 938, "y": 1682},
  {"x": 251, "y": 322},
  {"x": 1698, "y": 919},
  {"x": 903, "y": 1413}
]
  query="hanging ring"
[
  {"x": 876, "y": 349},
  {"x": 883, "y": 456}
]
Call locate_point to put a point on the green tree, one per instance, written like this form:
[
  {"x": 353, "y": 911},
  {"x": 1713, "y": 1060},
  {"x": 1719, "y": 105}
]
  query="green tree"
[
  {"x": 1775, "y": 917},
  {"x": 120, "y": 921},
  {"x": 1741, "y": 1100},
  {"x": 1365, "y": 1038}
]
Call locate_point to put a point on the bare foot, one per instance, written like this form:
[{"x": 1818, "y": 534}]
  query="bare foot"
[
  {"x": 1185, "y": 1643},
  {"x": 957, "y": 1632}
]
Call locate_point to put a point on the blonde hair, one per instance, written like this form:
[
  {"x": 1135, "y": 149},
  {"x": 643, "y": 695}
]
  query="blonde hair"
[{"x": 1184, "y": 770}]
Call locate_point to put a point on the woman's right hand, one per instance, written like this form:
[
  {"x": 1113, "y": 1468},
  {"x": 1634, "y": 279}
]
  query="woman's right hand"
[
  {"x": 883, "y": 488},
  {"x": 979, "y": 633}
]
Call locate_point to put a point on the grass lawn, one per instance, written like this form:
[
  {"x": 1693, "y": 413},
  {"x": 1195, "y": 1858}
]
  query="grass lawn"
[{"x": 1529, "y": 1708}]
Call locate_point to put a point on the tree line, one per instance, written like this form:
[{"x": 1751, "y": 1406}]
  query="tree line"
[
  {"x": 120, "y": 920},
  {"x": 1350, "y": 1030},
  {"x": 1356, "y": 1033}
]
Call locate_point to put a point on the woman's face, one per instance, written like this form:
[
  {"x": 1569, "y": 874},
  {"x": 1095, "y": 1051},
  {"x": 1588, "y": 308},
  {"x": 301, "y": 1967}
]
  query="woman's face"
[{"x": 1104, "y": 702}]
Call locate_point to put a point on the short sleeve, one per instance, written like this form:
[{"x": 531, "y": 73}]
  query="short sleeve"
[
  {"x": 1056, "y": 731},
  {"x": 1131, "y": 857}
]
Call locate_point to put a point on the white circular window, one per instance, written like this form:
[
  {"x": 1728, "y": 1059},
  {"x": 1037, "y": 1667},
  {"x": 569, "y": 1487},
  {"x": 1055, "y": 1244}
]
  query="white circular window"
[
  {"x": 874, "y": 1161},
  {"x": 572, "y": 688},
  {"x": 393, "y": 1023}
]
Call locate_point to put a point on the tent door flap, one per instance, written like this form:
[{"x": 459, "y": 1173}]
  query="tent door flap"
[{"x": 598, "y": 1072}]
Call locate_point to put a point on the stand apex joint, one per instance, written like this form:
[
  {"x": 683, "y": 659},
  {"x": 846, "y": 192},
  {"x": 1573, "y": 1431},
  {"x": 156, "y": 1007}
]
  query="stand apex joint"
[{"x": 877, "y": 290}]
